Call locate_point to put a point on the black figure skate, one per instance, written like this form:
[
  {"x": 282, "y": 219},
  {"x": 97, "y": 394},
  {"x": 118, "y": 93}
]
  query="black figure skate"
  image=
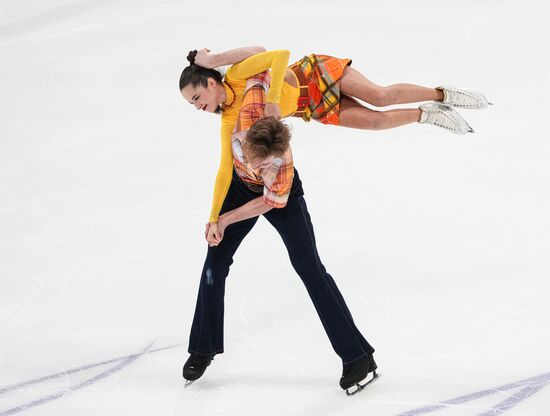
[
  {"x": 356, "y": 372},
  {"x": 194, "y": 368}
]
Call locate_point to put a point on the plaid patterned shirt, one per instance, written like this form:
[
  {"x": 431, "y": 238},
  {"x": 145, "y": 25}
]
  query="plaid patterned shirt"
[{"x": 275, "y": 180}]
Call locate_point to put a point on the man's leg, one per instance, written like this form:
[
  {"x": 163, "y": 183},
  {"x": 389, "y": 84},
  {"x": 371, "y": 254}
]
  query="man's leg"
[
  {"x": 206, "y": 337},
  {"x": 207, "y": 331},
  {"x": 294, "y": 225}
]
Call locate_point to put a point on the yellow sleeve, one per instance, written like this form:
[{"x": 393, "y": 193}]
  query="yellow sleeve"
[
  {"x": 276, "y": 60},
  {"x": 225, "y": 172}
]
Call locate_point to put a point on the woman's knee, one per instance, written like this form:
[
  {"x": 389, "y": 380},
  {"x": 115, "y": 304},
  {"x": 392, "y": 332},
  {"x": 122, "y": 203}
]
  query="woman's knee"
[{"x": 383, "y": 96}]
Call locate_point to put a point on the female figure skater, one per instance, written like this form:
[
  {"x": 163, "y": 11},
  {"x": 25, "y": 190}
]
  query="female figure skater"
[{"x": 316, "y": 87}]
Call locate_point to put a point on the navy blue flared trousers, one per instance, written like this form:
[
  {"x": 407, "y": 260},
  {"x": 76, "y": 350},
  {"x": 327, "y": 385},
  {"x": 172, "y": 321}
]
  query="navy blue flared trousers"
[{"x": 293, "y": 223}]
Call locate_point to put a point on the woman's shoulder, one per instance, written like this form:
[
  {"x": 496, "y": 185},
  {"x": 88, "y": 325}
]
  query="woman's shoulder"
[{"x": 230, "y": 79}]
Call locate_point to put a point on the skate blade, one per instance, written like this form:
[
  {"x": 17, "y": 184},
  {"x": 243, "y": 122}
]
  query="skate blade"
[
  {"x": 359, "y": 387},
  {"x": 188, "y": 383}
]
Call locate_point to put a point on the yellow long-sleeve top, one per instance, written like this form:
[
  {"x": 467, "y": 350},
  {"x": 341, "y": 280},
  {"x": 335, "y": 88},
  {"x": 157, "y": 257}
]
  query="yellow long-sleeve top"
[{"x": 281, "y": 92}]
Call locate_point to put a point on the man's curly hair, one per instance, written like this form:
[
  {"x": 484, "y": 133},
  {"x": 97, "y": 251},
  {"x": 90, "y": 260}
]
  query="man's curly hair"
[{"x": 267, "y": 137}]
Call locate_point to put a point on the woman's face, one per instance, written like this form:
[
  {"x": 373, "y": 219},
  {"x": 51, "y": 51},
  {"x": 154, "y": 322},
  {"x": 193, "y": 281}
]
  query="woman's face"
[{"x": 204, "y": 98}]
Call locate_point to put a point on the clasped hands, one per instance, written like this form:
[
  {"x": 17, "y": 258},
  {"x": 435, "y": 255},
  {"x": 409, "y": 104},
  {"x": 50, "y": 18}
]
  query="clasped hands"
[{"x": 214, "y": 233}]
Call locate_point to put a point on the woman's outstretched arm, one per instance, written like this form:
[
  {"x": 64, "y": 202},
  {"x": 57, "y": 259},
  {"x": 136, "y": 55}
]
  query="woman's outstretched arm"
[
  {"x": 207, "y": 59},
  {"x": 277, "y": 60}
]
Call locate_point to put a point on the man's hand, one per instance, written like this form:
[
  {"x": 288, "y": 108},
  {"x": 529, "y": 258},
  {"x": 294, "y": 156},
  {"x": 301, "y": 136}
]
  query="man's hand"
[
  {"x": 214, "y": 233},
  {"x": 272, "y": 110},
  {"x": 221, "y": 228},
  {"x": 215, "y": 230}
]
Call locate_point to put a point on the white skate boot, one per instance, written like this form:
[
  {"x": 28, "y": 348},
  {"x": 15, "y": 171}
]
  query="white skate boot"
[
  {"x": 463, "y": 98},
  {"x": 442, "y": 115}
]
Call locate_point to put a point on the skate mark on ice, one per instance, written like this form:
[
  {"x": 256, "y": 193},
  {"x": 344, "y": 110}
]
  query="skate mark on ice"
[
  {"x": 124, "y": 362},
  {"x": 528, "y": 387}
]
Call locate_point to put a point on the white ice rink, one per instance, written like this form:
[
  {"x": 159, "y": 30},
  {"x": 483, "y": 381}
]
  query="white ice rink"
[{"x": 439, "y": 243}]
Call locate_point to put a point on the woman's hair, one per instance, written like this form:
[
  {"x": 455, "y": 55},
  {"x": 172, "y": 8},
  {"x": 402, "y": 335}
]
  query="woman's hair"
[
  {"x": 267, "y": 137},
  {"x": 198, "y": 75}
]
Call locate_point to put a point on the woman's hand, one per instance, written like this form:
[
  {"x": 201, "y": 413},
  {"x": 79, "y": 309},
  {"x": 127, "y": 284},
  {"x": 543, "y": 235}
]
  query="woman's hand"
[
  {"x": 272, "y": 110},
  {"x": 204, "y": 58}
]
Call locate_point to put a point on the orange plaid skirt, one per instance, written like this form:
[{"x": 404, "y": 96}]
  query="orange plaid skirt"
[{"x": 319, "y": 77}]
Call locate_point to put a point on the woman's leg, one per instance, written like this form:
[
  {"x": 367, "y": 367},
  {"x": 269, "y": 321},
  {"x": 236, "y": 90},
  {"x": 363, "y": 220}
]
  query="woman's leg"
[
  {"x": 357, "y": 116},
  {"x": 355, "y": 84}
]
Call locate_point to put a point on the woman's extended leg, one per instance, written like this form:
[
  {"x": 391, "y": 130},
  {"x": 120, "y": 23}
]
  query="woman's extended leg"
[
  {"x": 355, "y": 115},
  {"x": 355, "y": 84}
]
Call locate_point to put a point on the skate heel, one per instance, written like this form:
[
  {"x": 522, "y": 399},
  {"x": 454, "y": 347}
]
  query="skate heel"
[
  {"x": 194, "y": 368},
  {"x": 359, "y": 387}
]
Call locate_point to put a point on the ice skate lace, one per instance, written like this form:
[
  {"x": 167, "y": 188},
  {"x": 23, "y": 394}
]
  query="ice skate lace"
[
  {"x": 439, "y": 116},
  {"x": 470, "y": 100}
]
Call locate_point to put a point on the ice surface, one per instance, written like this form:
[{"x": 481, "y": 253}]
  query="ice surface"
[{"x": 439, "y": 243}]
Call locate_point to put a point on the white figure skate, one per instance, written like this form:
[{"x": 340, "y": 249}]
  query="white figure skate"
[
  {"x": 443, "y": 116},
  {"x": 463, "y": 98}
]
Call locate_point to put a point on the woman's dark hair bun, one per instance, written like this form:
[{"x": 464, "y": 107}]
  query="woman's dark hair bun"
[{"x": 191, "y": 57}]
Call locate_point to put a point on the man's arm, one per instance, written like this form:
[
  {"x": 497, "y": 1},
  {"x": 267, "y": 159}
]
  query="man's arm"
[
  {"x": 251, "y": 209},
  {"x": 254, "y": 208}
]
